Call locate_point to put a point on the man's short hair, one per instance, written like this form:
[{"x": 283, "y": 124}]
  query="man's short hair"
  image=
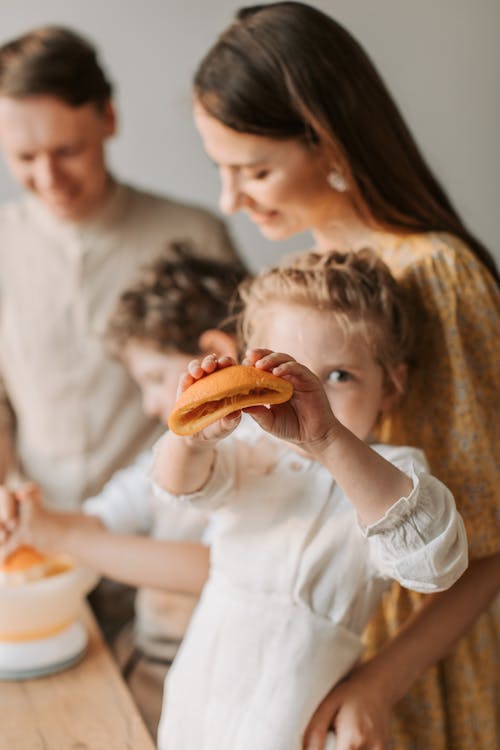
[{"x": 54, "y": 61}]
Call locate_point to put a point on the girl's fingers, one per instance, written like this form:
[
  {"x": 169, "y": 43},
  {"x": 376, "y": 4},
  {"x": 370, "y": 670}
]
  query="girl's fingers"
[
  {"x": 265, "y": 359},
  {"x": 197, "y": 368},
  {"x": 261, "y": 414},
  {"x": 292, "y": 369},
  {"x": 284, "y": 366},
  {"x": 226, "y": 361},
  {"x": 184, "y": 382},
  {"x": 209, "y": 363},
  {"x": 253, "y": 355},
  {"x": 217, "y": 430}
]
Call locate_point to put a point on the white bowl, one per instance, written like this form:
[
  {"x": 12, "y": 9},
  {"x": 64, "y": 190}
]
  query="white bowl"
[{"x": 41, "y": 608}]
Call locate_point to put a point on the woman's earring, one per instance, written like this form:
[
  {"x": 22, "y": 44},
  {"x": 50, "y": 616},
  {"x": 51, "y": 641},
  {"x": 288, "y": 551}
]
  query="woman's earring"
[{"x": 336, "y": 181}]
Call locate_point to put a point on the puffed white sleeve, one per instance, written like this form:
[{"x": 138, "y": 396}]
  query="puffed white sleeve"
[
  {"x": 233, "y": 456},
  {"x": 421, "y": 540},
  {"x": 125, "y": 503}
]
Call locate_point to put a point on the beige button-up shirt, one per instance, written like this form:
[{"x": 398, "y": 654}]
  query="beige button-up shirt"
[{"x": 76, "y": 412}]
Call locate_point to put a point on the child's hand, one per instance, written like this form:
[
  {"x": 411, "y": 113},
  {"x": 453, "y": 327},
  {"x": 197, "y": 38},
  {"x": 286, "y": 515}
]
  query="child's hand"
[
  {"x": 16, "y": 508},
  {"x": 307, "y": 419},
  {"x": 9, "y": 520},
  {"x": 196, "y": 370}
]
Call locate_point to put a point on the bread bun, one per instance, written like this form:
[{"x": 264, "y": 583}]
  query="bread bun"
[
  {"x": 23, "y": 564},
  {"x": 225, "y": 391}
]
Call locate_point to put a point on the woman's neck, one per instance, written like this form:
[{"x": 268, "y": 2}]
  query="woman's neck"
[
  {"x": 346, "y": 233},
  {"x": 345, "y": 228}
]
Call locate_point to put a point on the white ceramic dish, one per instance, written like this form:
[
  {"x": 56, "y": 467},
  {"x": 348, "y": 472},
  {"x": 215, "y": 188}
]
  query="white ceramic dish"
[
  {"x": 28, "y": 659},
  {"x": 42, "y": 608}
]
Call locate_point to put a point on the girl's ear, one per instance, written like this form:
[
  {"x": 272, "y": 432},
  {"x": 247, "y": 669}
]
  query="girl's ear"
[
  {"x": 395, "y": 387},
  {"x": 219, "y": 342}
]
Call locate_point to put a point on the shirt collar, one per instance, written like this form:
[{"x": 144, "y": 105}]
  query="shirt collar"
[{"x": 105, "y": 217}]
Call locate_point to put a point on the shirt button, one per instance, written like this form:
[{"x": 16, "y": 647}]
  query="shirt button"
[{"x": 295, "y": 465}]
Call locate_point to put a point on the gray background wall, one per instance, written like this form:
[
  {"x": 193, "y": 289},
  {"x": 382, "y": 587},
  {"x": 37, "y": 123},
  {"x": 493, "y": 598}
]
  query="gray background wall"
[{"x": 441, "y": 59}]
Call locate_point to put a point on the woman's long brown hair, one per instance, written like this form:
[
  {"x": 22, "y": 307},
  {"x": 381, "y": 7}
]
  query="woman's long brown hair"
[{"x": 287, "y": 70}]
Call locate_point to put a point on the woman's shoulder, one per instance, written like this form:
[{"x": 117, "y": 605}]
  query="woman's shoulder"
[
  {"x": 441, "y": 266},
  {"x": 429, "y": 253}
]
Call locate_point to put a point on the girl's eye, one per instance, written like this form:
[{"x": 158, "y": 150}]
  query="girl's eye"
[{"x": 338, "y": 376}]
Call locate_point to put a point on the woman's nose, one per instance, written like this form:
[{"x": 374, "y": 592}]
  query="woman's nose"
[{"x": 230, "y": 193}]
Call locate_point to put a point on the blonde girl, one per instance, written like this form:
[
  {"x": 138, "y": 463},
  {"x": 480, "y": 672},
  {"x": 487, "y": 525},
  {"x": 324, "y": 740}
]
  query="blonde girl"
[{"x": 314, "y": 519}]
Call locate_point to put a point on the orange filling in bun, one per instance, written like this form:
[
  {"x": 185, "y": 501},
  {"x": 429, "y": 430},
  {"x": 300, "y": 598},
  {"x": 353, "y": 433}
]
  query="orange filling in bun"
[{"x": 225, "y": 391}]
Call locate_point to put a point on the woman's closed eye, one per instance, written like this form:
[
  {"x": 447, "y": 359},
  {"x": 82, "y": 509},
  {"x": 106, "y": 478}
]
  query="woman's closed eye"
[
  {"x": 69, "y": 151},
  {"x": 261, "y": 174},
  {"x": 256, "y": 173}
]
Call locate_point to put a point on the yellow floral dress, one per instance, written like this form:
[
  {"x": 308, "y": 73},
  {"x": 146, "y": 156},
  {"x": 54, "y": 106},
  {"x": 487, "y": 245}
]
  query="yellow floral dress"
[{"x": 451, "y": 411}]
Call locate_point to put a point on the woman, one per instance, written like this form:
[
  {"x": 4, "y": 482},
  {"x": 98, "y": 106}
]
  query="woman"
[{"x": 306, "y": 136}]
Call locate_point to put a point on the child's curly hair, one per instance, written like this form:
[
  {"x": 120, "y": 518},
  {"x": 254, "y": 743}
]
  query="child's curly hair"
[
  {"x": 176, "y": 298},
  {"x": 356, "y": 287}
]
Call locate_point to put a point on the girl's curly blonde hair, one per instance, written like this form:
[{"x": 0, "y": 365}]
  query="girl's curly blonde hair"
[{"x": 357, "y": 288}]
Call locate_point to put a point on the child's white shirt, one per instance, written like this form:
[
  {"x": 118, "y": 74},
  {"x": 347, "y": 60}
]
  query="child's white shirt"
[
  {"x": 127, "y": 505},
  {"x": 294, "y": 579}
]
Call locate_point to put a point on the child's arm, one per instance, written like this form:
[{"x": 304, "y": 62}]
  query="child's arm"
[
  {"x": 371, "y": 483},
  {"x": 128, "y": 558},
  {"x": 183, "y": 464},
  {"x": 135, "y": 560}
]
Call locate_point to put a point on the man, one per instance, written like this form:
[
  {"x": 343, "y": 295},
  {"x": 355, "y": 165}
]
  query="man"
[{"x": 69, "y": 414}]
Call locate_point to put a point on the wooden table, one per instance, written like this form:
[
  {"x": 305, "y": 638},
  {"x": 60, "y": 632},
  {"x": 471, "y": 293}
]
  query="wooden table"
[{"x": 87, "y": 707}]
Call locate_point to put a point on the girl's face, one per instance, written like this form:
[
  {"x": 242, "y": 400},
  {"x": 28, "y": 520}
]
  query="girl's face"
[
  {"x": 280, "y": 184},
  {"x": 354, "y": 382},
  {"x": 157, "y": 375}
]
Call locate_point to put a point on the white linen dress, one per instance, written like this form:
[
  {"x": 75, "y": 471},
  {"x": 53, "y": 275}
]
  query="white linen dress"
[{"x": 293, "y": 581}]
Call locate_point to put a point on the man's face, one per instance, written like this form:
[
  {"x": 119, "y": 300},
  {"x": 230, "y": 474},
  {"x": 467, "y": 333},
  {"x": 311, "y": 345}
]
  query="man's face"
[{"x": 57, "y": 152}]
